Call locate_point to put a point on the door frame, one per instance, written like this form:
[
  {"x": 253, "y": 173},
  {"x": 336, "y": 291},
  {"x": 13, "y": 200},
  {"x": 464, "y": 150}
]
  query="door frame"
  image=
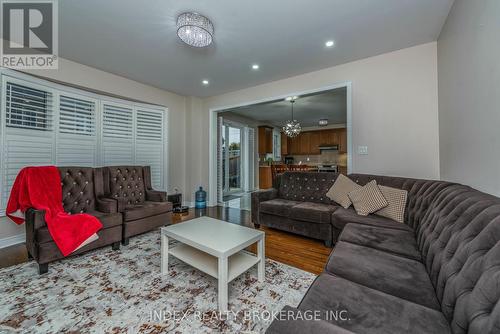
[
  {"x": 241, "y": 127},
  {"x": 212, "y": 174}
]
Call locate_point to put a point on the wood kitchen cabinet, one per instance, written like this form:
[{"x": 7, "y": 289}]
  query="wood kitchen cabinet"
[
  {"x": 265, "y": 177},
  {"x": 305, "y": 140},
  {"x": 314, "y": 142},
  {"x": 265, "y": 139},
  {"x": 342, "y": 140},
  {"x": 284, "y": 145},
  {"x": 308, "y": 142}
]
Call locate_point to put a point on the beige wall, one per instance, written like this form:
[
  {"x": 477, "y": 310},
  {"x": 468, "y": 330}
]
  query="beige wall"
[
  {"x": 78, "y": 74},
  {"x": 469, "y": 99},
  {"x": 395, "y": 111}
]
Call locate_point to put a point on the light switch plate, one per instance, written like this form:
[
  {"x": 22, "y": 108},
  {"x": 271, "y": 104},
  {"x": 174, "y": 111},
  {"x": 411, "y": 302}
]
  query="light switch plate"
[{"x": 362, "y": 150}]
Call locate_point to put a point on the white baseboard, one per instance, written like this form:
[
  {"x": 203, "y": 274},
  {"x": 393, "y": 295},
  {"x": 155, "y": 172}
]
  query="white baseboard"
[
  {"x": 13, "y": 240},
  {"x": 189, "y": 204}
]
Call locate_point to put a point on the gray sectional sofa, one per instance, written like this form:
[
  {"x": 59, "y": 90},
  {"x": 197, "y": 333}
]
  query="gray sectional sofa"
[{"x": 437, "y": 273}]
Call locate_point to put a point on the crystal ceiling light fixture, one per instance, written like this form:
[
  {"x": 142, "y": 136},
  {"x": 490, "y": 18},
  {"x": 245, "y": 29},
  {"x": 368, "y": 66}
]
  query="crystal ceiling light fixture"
[
  {"x": 195, "y": 29},
  {"x": 292, "y": 127}
]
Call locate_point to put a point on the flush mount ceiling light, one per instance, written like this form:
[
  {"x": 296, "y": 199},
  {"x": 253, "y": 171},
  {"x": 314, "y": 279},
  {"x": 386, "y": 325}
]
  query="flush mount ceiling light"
[
  {"x": 292, "y": 127},
  {"x": 195, "y": 29},
  {"x": 323, "y": 122}
]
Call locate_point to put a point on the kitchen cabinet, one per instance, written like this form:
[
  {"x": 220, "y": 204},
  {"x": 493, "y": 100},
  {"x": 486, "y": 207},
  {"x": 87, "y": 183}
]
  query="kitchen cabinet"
[
  {"x": 284, "y": 145},
  {"x": 265, "y": 139},
  {"x": 314, "y": 142},
  {"x": 265, "y": 177},
  {"x": 305, "y": 140},
  {"x": 294, "y": 145},
  {"x": 342, "y": 140},
  {"x": 308, "y": 142}
]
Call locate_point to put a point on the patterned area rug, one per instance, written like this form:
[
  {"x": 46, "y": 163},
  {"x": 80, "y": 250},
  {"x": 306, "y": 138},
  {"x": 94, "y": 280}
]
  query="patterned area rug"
[{"x": 123, "y": 291}]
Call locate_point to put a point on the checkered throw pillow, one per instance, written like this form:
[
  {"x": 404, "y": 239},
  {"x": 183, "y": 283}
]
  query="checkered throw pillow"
[
  {"x": 397, "y": 203},
  {"x": 340, "y": 190},
  {"x": 368, "y": 199}
]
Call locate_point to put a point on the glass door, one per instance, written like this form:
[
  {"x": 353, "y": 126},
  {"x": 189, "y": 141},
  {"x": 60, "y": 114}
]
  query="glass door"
[{"x": 232, "y": 159}]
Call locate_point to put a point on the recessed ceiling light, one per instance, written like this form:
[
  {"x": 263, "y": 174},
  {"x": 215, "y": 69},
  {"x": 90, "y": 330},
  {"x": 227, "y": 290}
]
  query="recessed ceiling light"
[
  {"x": 255, "y": 66},
  {"x": 205, "y": 82},
  {"x": 290, "y": 98},
  {"x": 329, "y": 44}
]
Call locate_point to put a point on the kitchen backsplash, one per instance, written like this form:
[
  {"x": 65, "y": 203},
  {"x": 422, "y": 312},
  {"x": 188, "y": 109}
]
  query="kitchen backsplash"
[{"x": 323, "y": 158}]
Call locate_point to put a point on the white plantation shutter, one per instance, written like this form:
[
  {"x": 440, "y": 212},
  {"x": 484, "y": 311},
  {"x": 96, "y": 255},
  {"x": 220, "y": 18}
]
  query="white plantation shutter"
[
  {"x": 28, "y": 107},
  {"x": 117, "y": 135},
  {"x": 49, "y": 124},
  {"x": 149, "y": 143},
  {"x": 28, "y": 139},
  {"x": 77, "y": 139}
]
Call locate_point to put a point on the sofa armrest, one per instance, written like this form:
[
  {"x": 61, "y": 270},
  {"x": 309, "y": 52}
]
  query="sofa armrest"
[
  {"x": 292, "y": 321},
  {"x": 156, "y": 196},
  {"x": 261, "y": 196},
  {"x": 35, "y": 218},
  {"x": 106, "y": 205}
]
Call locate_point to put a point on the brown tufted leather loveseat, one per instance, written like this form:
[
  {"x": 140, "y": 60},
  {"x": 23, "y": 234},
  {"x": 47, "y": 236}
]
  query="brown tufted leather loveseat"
[
  {"x": 78, "y": 191},
  {"x": 143, "y": 208}
]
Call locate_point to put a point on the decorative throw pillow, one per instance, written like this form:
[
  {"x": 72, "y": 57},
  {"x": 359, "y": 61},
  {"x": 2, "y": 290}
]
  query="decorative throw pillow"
[
  {"x": 340, "y": 190},
  {"x": 368, "y": 199},
  {"x": 397, "y": 203}
]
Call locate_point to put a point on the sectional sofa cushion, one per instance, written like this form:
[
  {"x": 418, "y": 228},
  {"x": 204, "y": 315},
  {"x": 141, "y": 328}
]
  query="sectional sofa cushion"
[
  {"x": 396, "y": 199},
  {"x": 278, "y": 207},
  {"x": 342, "y": 217},
  {"x": 313, "y": 212},
  {"x": 146, "y": 209},
  {"x": 306, "y": 186},
  {"x": 398, "y": 242},
  {"x": 392, "y": 274},
  {"x": 339, "y": 192},
  {"x": 370, "y": 311},
  {"x": 367, "y": 199}
]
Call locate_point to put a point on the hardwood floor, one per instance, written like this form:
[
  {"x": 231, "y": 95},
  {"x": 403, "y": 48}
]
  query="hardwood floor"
[{"x": 300, "y": 252}]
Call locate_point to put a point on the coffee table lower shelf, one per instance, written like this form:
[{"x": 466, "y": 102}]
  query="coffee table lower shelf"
[{"x": 237, "y": 263}]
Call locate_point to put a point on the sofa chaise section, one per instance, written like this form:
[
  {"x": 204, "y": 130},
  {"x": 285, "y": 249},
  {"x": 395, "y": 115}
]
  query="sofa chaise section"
[{"x": 453, "y": 286}]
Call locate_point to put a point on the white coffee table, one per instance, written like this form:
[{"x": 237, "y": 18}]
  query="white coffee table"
[{"x": 216, "y": 248}]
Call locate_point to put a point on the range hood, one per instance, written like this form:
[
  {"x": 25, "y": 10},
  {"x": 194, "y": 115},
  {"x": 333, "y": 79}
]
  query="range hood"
[{"x": 328, "y": 148}]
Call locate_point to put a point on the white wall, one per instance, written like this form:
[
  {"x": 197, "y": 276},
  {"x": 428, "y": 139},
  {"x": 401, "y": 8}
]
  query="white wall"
[
  {"x": 395, "y": 110},
  {"x": 74, "y": 73},
  {"x": 469, "y": 99}
]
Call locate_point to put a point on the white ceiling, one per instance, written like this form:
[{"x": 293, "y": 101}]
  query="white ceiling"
[
  {"x": 137, "y": 39},
  {"x": 308, "y": 110}
]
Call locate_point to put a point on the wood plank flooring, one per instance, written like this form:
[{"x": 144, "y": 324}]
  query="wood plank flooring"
[{"x": 297, "y": 251}]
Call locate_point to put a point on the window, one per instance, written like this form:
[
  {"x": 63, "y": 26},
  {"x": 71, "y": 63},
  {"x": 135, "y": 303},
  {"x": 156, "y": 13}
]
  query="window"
[
  {"x": 50, "y": 124},
  {"x": 27, "y": 107},
  {"x": 76, "y": 116}
]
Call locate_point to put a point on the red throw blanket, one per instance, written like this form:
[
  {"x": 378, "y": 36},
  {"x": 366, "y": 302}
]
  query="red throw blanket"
[{"x": 40, "y": 188}]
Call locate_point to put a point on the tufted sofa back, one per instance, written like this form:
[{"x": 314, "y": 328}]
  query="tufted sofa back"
[
  {"x": 459, "y": 238},
  {"x": 421, "y": 193},
  {"x": 126, "y": 183},
  {"x": 306, "y": 186},
  {"x": 77, "y": 189}
]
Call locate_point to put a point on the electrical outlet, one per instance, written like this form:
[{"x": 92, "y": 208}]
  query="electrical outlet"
[{"x": 362, "y": 150}]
